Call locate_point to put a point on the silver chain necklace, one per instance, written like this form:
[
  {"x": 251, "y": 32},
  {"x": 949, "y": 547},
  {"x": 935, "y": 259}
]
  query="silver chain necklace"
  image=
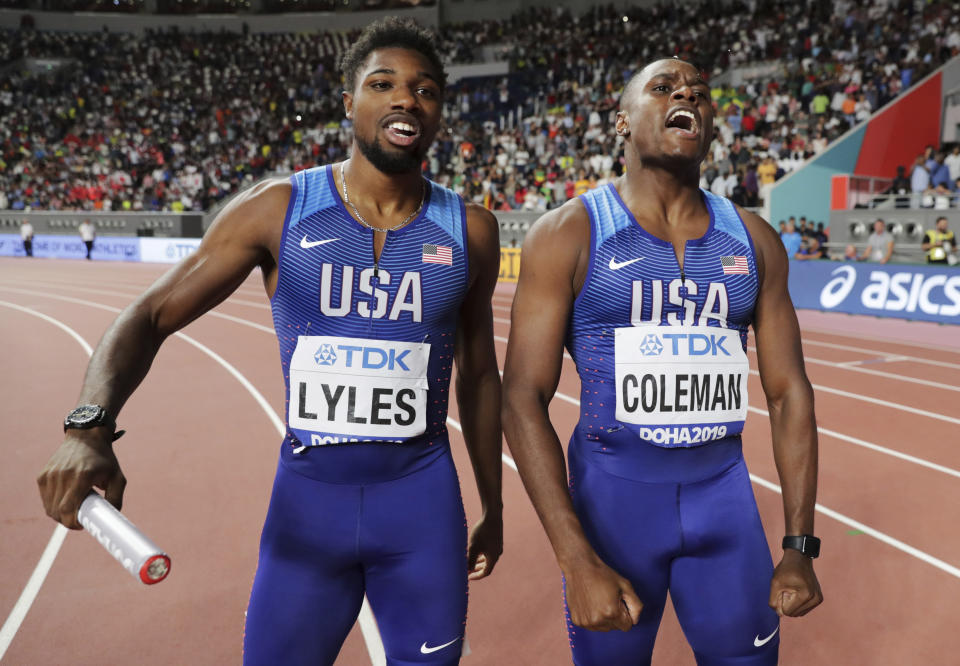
[{"x": 346, "y": 200}]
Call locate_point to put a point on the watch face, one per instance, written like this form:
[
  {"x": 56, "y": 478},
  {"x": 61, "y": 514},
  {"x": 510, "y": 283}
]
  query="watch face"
[{"x": 85, "y": 414}]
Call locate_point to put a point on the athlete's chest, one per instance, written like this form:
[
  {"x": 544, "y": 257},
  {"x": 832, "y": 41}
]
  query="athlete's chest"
[
  {"x": 417, "y": 277},
  {"x": 638, "y": 279}
]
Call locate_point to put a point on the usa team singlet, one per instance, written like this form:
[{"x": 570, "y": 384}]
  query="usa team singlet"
[
  {"x": 656, "y": 470},
  {"x": 366, "y": 498}
]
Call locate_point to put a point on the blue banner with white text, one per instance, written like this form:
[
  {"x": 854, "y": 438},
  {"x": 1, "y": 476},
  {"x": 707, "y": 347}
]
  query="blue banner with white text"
[
  {"x": 105, "y": 248},
  {"x": 51, "y": 246},
  {"x": 928, "y": 293}
]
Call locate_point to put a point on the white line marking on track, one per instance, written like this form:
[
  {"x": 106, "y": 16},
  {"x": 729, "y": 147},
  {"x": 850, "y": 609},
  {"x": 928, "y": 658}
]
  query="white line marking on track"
[
  {"x": 866, "y": 529},
  {"x": 368, "y": 628},
  {"x": 855, "y": 366},
  {"x": 507, "y": 460},
  {"x": 890, "y": 356},
  {"x": 878, "y": 401},
  {"x": 860, "y": 338},
  {"x": 20, "y": 609},
  {"x": 875, "y": 447}
]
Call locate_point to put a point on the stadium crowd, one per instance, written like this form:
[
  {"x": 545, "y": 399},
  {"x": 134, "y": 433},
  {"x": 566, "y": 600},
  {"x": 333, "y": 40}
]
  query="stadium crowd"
[{"x": 177, "y": 120}]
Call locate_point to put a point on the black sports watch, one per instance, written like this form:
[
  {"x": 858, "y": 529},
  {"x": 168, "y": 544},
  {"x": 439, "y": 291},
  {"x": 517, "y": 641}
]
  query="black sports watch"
[
  {"x": 807, "y": 544},
  {"x": 88, "y": 416}
]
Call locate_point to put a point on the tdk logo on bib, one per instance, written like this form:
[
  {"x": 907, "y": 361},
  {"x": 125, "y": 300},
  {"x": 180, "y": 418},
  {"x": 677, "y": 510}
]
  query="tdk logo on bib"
[
  {"x": 325, "y": 355},
  {"x": 366, "y": 358},
  {"x": 651, "y": 346},
  {"x": 695, "y": 344}
]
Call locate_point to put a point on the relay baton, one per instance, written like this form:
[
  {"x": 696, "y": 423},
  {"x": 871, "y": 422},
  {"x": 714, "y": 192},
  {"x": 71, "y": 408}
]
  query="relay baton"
[{"x": 121, "y": 538}]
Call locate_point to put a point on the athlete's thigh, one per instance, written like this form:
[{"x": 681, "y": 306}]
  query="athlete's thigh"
[
  {"x": 721, "y": 585},
  {"x": 309, "y": 585},
  {"x": 634, "y": 528},
  {"x": 414, "y": 543}
]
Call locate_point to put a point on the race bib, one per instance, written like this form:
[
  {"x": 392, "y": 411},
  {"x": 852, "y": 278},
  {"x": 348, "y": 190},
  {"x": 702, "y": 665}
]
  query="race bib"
[
  {"x": 669, "y": 375},
  {"x": 364, "y": 388}
]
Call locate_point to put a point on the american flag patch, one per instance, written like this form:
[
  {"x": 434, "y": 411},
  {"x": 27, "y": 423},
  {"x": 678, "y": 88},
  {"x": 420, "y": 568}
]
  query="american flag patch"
[
  {"x": 734, "y": 265},
  {"x": 437, "y": 254}
]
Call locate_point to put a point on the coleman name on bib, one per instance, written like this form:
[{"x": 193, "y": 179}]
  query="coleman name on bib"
[
  {"x": 672, "y": 375},
  {"x": 363, "y": 388}
]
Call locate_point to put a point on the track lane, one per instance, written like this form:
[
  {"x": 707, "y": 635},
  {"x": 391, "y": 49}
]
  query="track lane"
[{"x": 770, "y": 509}]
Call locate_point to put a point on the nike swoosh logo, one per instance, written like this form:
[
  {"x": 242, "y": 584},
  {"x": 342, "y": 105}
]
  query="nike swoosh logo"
[
  {"x": 427, "y": 650},
  {"x": 760, "y": 642},
  {"x": 615, "y": 265},
  {"x": 306, "y": 245}
]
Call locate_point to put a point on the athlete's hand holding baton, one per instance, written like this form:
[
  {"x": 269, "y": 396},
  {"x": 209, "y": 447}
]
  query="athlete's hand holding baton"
[{"x": 82, "y": 462}]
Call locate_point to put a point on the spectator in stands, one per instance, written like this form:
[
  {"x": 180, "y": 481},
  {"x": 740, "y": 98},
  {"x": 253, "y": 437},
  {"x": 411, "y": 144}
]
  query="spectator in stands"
[
  {"x": 940, "y": 244},
  {"x": 953, "y": 163},
  {"x": 791, "y": 239},
  {"x": 26, "y": 235},
  {"x": 879, "y": 245},
  {"x": 809, "y": 249},
  {"x": 901, "y": 186},
  {"x": 940, "y": 173},
  {"x": 919, "y": 178},
  {"x": 87, "y": 234},
  {"x": 822, "y": 239}
]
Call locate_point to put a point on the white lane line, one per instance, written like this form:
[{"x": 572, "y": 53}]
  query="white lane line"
[
  {"x": 501, "y": 320},
  {"x": 869, "y": 338},
  {"x": 29, "y": 594},
  {"x": 890, "y": 356},
  {"x": 875, "y": 447},
  {"x": 856, "y": 366},
  {"x": 507, "y": 460},
  {"x": 501, "y": 307},
  {"x": 369, "y": 628},
  {"x": 109, "y": 292},
  {"x": 876, "y": 534},
  {"x": 836, "y": 515},
  {"x": 31, "y": 589},
  {"x": 882, "y": 403},
  {"x": 866, "y": 361}
]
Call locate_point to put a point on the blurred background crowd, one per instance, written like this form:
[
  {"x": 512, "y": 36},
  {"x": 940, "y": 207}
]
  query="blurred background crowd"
[{"x": 176, "y": 121}]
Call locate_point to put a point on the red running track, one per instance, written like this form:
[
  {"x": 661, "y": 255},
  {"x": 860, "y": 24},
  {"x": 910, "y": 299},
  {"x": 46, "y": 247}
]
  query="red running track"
[{"x": 201, "y": 452}]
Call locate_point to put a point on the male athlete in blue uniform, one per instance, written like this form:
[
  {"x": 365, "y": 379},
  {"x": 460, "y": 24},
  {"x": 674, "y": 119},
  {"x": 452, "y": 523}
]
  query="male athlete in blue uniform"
[
  {"x": 379, "y": 281},
  {"x": 651, "y": 284}
]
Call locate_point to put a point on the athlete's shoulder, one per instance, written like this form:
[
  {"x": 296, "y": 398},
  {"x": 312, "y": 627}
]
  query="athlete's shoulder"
[
  {"x": 259, "y": 205},
  {"x": 568, "y": 225},
  {"x": 481, "y": 221},
  {"x": 557, "y": 247}
]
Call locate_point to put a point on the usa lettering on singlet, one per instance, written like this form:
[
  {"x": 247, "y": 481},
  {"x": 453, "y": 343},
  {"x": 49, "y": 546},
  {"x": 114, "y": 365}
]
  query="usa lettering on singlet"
[
  {"x": 660, "y": 350},
  {"x": 367, "y": 346}
]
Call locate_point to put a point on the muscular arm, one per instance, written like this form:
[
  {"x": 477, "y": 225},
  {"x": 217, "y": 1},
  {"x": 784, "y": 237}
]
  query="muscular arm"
[
  {"x": 794, "y": 589},
  {"x": 245, "y": 235},
  {"x": 478, "y": 388},
  {"x": 555, "y": 260}
]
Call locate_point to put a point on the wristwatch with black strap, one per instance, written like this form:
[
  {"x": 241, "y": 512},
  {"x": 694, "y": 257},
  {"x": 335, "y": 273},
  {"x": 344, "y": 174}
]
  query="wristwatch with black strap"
[
  {"x": 85, "y": 417},
  {"x": 807, "y": 544}
]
